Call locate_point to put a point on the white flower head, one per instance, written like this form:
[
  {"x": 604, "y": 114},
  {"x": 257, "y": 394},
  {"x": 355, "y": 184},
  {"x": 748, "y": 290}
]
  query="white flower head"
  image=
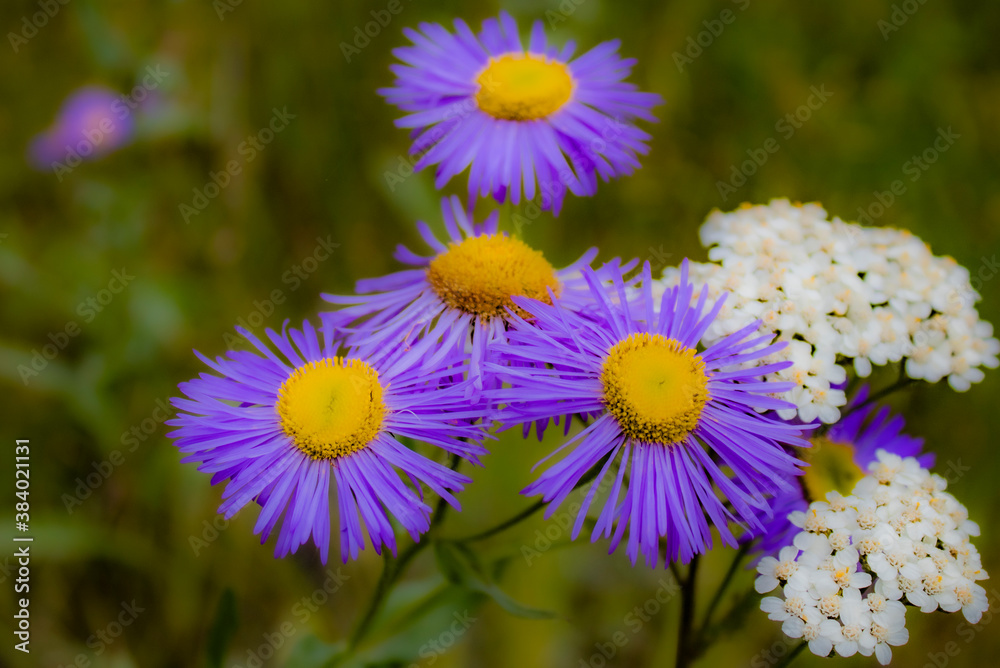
[
  {"x": 898, "y": 539},
  {"x": 839, "y": 290}
]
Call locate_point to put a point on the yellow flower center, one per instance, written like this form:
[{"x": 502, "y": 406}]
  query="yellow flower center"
[
  {"x": 480, "y": 275},
  {"x": 331, "y": 408},
  {"x": 831, "y": 469},
  {"x": 523, "y": 87},
  {"x": 655, "y": 387}
]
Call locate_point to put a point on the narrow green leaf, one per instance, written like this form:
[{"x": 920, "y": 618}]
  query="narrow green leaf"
[
  {"x": 513, "y": 607},
  {"x": 461, "y": 566},
  {"x": 311, "y": 652},
  {"x": 451, "y": 563},
  {"x": 223, "y": 628}
]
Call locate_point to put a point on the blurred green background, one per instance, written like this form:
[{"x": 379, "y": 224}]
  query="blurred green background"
[{"x": 230, "y": 64}]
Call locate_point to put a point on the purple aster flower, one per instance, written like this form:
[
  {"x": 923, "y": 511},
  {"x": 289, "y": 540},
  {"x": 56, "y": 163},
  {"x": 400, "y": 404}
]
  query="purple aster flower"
[
  {"x": 677, "y": 428},
  {"x": 837, "y": 460},
  {"x": 465, "y": 288},
  {"x": 515, "y": 116},
  {"x": 284, "y": 428},
  {"x": 91, "y": 123}
]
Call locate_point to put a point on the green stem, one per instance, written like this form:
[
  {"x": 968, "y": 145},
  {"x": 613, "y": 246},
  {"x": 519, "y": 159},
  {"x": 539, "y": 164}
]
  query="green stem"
[
  {"x": 901, "y": 382},
  {"x": 524, "y": 514},
  {"x": 393, "y": 568},
  {"x": 506, "y": 524},
  {"x": 385, "y": 581},
  {"x": 787, "y": 661},
  {"x": 688, "y": 590},
  {"x": 411, "y": 614},
  {"x": 720, "y": 592},
  {"x": 676, "y": 572}
]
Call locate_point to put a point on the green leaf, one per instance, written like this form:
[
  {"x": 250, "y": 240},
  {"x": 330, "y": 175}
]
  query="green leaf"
[
  {"x": 513, "y": 607},
  {"x": 404, "y": 636},
  {"x": 223, "y": 628},
  {"x": 106, "y": 44},
  {"x": 311, "y": 652},
  {"x": 734, "y": 619},
  {"x": 457, "y": 563},
  {"x": 461, "y": 566}
]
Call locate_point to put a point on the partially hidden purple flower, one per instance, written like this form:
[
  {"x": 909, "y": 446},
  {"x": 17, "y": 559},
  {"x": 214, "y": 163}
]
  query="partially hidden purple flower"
[
  {"x": 836, "y": 462},
  {"x": 678, "y": 439},
  {"x": 460, "y": 295},
  {"x": 518, "y": 115},
  {"x": 92, "y": 122},
  {"x": 299, "y": 421}
]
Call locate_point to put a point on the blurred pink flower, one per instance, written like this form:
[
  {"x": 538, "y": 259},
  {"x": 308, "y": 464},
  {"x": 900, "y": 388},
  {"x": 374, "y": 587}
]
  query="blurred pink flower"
[{"x": 93, "y": 122}]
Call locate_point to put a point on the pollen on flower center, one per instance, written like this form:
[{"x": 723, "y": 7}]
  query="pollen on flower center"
[
  {"x": 831, "y": 469},
  {"x": 480, "y": 275},
  {"x": 332, "y": 407},
  {"x": 655, "y": 387},
  {"x": 523, "y": 87}
]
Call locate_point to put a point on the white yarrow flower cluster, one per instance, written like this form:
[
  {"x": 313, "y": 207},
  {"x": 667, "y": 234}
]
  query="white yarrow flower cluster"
[
  {"x": 837, "y": 291},
  {"x": 898, "y": 538}
]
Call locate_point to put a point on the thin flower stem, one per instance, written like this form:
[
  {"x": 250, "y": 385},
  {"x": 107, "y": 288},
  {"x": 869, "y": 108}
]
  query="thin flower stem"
[
  {"x": 410, "y": 615},
  {"x": 524, "y": 514},
  {"x": 385, "y": 581},
  {"x": 720, "y": 592},
  {"x": 902, "y": 382},
  {"x": 393, "y": 568},
  {"x": 506, "y": 524},
  {"x": 676, "y": 572},
  {"x": 787, "y": 661},
  {"x": 685, "y": 655}
]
